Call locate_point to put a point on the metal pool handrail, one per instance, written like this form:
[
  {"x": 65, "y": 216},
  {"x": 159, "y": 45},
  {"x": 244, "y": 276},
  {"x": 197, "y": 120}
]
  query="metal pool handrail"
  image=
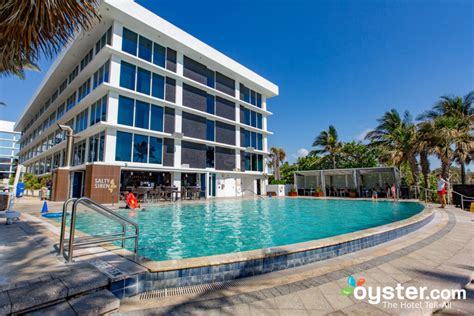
[
  {"x": 94, "y": 240},
  {"x": 463, "y": 197}
]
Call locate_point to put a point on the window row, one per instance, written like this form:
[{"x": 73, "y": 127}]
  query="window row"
[
  {"x": 45, "y": 165},
  {"x": 202, "y": 101},
  {"x": 198, "y": 72},
  {"x": 138, "y": 148},
  {"x": 251, "y": 162},
  {"x": 101, "y": 75},
  {"x": 146, "y": 49},
  {"x": 98, "y": 112},
  {"x": 251, "y": 139},
  {"x": 105, "y": 39},
  {"x": 251, "y": 118},
  {"x": 250, "y": 96},
  {"x": 140, "y": 114},
  {"x": 146, "y": 82}
]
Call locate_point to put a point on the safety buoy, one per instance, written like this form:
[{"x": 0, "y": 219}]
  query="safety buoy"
[{"x": 132, "y": 201}]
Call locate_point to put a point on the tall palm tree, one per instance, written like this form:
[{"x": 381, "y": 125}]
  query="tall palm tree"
[
  {"x": 329, "y": 144},
  {"x": 396, "y": 137},
  {"x": 453, "y": 116},
  {"x": 425, "y": 148},
  {"x": 277, "y": 156},
  {"x": 28, "y": 28}
]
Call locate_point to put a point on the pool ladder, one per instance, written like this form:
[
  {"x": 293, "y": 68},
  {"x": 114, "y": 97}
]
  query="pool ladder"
[{"x": 93, "y": 240}]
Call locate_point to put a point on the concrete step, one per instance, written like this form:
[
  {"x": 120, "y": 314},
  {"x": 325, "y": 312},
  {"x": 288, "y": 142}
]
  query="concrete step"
[{"x": 96, "y": 303}]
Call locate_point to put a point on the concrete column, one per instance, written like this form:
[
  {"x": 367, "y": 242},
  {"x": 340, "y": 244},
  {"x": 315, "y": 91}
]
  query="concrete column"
[
  {"x": 110, "y": 144},
  {"x": 177, "y": 179},
  {"x": 117, "y": 33},
  {"x": 115, "y": 71},
  {"x": 178, "y": 120},
  {"x": 179, "y": 63},
  {"x": 112, "y": 107}
]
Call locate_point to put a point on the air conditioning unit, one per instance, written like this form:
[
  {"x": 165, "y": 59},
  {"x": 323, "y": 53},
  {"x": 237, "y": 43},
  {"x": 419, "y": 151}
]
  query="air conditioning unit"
[
  {"x": 185, "y": 165},
  {"x": 178, "y": 135}
]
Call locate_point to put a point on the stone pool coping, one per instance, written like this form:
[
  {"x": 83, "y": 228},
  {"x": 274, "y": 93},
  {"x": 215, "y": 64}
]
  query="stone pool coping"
[{"x": 235, "y": 257}]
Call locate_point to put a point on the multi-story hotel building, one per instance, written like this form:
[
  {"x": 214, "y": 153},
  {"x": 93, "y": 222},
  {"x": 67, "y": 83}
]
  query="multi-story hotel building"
[
  {"x": 149, "y": 105},
  {"x": 8, "y": 150}
]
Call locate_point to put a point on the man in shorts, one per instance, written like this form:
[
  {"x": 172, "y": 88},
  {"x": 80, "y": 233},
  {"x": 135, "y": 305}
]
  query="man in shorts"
[{"x": 441, "y": 185}]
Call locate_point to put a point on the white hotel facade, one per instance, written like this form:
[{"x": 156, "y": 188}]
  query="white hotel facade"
[{"x": 150, "y": 105}]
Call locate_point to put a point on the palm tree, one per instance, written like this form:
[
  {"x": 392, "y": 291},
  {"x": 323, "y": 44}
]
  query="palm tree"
[
  {"x": 329, "y": 143},
  {"x": 425, "y": 148},
  {"x": 29, "y": 28},
  {"x": 453, "y": 116},
  {"x": 396, "y": 137},
  {"x": 277, "y": 156}
]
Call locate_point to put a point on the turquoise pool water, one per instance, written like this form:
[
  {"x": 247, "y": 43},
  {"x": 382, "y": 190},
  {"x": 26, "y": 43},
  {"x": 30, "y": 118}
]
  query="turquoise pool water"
[{"x": 217, "y": 227}]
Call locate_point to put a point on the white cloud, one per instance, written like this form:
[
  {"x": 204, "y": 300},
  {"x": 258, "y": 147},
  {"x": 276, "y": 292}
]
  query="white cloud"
[
  {"x": 361, "y": 136},
  {"x": 302, "y": 152}
]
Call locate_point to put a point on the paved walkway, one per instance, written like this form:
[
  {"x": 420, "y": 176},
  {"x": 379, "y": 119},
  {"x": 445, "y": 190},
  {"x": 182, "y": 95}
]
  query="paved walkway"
[{"x": 438, "y": 256}]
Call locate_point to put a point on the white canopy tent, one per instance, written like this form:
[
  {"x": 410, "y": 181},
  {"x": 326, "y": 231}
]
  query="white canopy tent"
[{"x": 362, "y": 180}]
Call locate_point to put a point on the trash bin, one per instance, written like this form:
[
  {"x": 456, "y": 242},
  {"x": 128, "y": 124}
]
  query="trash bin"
[{"x": 20, "y": 189}]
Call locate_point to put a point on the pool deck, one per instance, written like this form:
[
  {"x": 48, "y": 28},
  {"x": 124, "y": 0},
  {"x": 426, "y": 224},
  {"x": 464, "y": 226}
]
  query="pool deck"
[{"x": 439, "y": 255}]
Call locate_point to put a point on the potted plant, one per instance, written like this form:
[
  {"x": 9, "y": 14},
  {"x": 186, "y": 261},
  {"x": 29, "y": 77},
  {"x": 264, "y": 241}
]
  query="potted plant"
[
  {"x": 353, "y": 193},
  {"x": 318, "y": 192},
  {"x": 293, "y": 192}
]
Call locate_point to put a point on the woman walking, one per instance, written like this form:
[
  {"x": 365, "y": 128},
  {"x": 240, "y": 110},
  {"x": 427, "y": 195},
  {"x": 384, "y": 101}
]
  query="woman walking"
[{"x": 441, "y": 184}]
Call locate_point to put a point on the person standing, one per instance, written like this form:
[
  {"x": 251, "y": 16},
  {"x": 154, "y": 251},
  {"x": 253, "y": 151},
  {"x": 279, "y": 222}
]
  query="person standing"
[
  {"x": 441, "y": 186},
  {"x": 394, "y": 191}
]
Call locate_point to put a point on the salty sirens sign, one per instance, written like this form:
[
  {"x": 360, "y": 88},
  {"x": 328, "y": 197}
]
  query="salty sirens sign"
[{"x": 105, "y": 184}]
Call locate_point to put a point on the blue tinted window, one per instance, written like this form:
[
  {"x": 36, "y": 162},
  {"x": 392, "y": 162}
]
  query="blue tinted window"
[
  {"x": 259, "y": 163},
  {"x": 253, "y": 140},
  {"x": 259, "y": 120},
  {"x": 127, "y": 76},
  {"x": 247, "y": 139},
  {"x": 140, "y": 148},
  {"x": 129, "y": 42},
  {"x": 210, "y": 104},
  {"x": 259, "y": 100},
  {"x": 210, "y": 157},
  {"x": 158, "y": 86},
  {"x": 259, "y": 141},
  {"x": 253, "y": 98},
  {"x": 210, "y": 130},
  {"x": 125, "y": 111},
  {"x": 159, "y": 55},
  {"x": 253, "y": 118},
  {"x": 210, "y": 79},
  {"x": 144, "y": 48},
  {"x": 246, "y": 118},
  {"x": 141, "y": 114},
  {"x": 254, "y": 162},
  {"x": 123, "y": 146},
  {"x": 156, "y": 150},
  {"x": 247, "y": 161},
  {"x": 143, "y": 81},
  {"x": 156, "y": 118}
]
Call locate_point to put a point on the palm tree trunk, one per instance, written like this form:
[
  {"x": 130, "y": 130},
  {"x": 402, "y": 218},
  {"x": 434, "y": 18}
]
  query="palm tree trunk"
[
  {"x": 276, "y": 170},
  {"x": 334, "y": 161},
  {"x": 462, "y": 164},
  {"x": 415, "y": 172},
  {"x": 425, "y": 167},
  {"x": 445, "y": 166}
]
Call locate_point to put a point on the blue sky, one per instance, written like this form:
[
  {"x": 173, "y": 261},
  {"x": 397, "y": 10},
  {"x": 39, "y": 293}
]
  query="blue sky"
[{"x": 336, "y": 62}]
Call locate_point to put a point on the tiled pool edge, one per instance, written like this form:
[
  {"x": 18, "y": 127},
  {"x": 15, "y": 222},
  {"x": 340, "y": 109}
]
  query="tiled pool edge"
[{"x": 245, "y": 268}]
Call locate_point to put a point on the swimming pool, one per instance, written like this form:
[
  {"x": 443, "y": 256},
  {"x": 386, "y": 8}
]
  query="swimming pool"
[{"x": 178, "y": 231}]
